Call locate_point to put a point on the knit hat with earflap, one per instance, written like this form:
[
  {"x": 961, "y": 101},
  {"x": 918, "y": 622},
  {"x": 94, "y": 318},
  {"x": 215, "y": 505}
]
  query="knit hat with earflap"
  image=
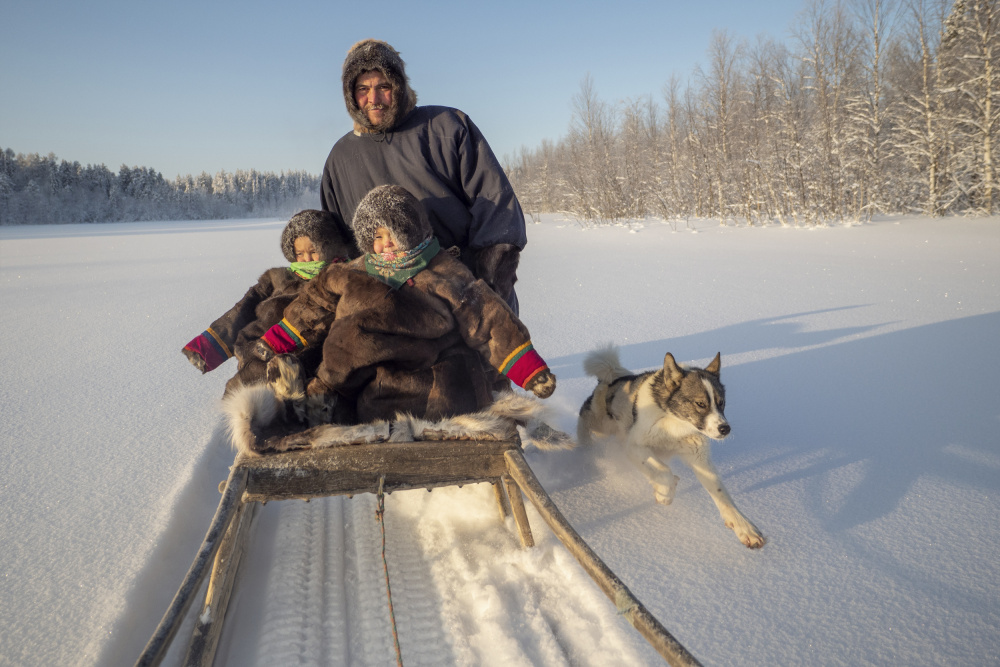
[
  {"x": 394, "y": 208},
  {"x": 322, "y": 228},
  {"x": 372, "y": 54}
]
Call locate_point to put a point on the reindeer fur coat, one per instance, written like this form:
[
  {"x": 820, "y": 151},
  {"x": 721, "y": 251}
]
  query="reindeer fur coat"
[{"x": 420, "y": 348}]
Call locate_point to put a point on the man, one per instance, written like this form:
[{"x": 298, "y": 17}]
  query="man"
[{"x": 437, "y": 153}]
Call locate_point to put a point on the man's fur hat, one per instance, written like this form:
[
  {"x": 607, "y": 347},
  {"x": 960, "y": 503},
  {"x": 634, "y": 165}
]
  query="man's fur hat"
[
  {"x": 372, "y": 54},
  {"x": 397, "y": 210},
  {"x": 322, "y": 229}
]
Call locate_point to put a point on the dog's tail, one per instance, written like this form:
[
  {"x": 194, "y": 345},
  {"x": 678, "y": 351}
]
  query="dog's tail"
[
  {"x": 604, "y": 365},
  {"x": 247, "y": 408}
]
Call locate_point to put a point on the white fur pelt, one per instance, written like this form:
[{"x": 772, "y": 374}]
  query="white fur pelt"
[
  {"x": 509, "y": 414},
  {"x": 250, "y": 409},
  {"x": 332, "y": 435}
]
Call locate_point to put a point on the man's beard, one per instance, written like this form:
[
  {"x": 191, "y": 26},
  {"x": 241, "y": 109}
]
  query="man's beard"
[{"x": 388, "y": 117}]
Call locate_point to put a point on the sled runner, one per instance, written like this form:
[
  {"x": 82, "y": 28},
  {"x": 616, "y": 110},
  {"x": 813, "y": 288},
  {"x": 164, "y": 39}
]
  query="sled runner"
[{"x": 370, "y": 467}]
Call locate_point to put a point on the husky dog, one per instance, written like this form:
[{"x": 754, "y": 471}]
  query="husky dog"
[{"x": 660, "y": 414}]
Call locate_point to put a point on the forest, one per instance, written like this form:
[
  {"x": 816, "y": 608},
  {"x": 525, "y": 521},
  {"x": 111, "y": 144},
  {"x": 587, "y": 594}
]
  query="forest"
[
  {"x": 870, "y": 107},
  {"x": 37, "y": 189}
]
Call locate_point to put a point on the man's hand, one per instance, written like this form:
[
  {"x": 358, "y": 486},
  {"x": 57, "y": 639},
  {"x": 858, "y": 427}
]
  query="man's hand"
[{"x": 542, "y": 385}]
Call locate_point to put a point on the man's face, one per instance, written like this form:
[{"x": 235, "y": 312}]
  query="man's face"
[{"x": 373, "y": 93}]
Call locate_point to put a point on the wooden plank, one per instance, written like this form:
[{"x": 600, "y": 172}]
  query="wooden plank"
[
  {"x": 502, "y": 504},
  {"x": 157, "y": 646},
  {"x": 628, "y": 605},
  {"x": 520, "y": 516},
  {"x": 208, "y": 627},
  {"x": 357, "y": 468}
]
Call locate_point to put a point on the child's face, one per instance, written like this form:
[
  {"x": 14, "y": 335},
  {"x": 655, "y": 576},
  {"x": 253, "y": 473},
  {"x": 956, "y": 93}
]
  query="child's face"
[
  {"x": 305, "y": 251},
  {"x": 383, "y": 241}
]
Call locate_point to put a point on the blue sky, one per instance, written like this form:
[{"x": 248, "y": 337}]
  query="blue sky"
[{"x": 185, "y": 87}]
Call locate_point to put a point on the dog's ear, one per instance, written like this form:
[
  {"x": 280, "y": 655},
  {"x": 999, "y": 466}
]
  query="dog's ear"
[
  {"x": 715, "y": 366},
  {"x": 671, "y": 370}
]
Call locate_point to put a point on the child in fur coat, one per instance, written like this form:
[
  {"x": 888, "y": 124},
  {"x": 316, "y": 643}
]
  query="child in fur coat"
[
  {"x": 406, "y": 327},
  {"x": 310, "y": 241}
]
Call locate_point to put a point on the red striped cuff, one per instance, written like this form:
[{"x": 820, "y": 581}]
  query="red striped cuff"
[
  {"x": 523, "y": 364},
  {"x": 211, "y": 348},
  {"x": 284, "y": 338}
]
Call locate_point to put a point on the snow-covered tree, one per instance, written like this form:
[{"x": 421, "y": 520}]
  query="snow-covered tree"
[
  {"x": 868, "y": 130},
  {"x": 37, "y": 190},
  {"x": 970, "y": 61}
]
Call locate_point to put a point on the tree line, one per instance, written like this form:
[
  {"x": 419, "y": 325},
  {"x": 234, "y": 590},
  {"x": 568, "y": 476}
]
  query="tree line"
[
  {"x": 37, "y": 189},
  {"x": 872, "y": 106}
]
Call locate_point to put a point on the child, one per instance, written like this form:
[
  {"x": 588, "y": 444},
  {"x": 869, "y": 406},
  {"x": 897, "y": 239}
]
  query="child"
[
  {"x": 406, "y": 327},
  {"x": 310, "y": 241}
]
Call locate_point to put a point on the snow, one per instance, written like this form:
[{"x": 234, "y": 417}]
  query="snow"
[{"x": 860, "y": 364}]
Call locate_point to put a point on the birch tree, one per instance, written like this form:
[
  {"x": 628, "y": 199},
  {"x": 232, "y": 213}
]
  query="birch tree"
[
  {"x": 721, "y": 90},
  {"x": 923, "y": 124},
  {"x": 828, "y": 48},
  {"x": 596, "y": 186},
  {"x": 969, "y": 55},
  {"x": 869, "y": 107}
]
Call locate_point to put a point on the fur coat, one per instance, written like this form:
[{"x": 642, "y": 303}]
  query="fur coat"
[
  {"x": 423, "y": 348},
  {"x": 263, "y": 305},
  {"x": 232, "y": 334},
  {"x": 438, "y": 154}
]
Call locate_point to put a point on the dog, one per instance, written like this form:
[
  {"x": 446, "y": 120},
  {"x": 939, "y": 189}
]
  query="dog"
[{"x": 656, "y": 415}]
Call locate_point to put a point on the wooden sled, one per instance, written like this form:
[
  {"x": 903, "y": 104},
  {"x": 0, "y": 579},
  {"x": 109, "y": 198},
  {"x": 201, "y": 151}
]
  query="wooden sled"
[{"x": 359, "y": 468}]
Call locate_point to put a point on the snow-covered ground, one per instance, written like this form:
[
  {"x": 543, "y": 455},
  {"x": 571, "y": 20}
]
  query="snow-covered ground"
[{"x": 861, "y": 365}]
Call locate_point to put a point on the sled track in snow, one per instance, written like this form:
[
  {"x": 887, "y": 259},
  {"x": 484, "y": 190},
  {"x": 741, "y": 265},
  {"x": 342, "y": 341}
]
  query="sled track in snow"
[
  {"x": 491, "y": 603},
  {"x": 306, "y": 553},
  {"x": 487, "y": 602},
  {"x": 416, "y": 601},
  {"x": 326, "y": 597}
]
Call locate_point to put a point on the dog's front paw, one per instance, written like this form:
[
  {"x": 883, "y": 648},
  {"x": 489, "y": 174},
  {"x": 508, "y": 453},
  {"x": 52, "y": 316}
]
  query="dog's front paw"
[
  {"x": 664, "y": 487},
  {"x": 747, "y": 533},
  {"x": 663, "y": 498}
]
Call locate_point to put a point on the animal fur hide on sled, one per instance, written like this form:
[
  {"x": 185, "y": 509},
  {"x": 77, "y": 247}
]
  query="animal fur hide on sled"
[{"x": 250, "y": 411}]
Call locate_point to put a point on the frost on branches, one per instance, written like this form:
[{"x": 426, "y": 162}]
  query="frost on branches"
[{"x": 873, "y": 106}]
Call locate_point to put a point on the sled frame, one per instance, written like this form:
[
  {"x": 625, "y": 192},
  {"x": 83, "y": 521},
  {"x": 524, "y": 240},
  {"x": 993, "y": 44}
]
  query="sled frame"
[{"x": 357, "y": 468}]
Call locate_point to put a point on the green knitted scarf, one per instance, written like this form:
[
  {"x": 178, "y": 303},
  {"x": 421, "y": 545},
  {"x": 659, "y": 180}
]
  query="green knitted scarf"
[
  {"x": 307, "y": 270},
  {"x": 395, "y": 271}
]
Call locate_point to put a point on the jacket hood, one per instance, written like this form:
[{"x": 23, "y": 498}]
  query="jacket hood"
[
  {"x": 322, "y": 229},
  {"x": 394, "y": 208},
  {"x": 373, "y": 54}
]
